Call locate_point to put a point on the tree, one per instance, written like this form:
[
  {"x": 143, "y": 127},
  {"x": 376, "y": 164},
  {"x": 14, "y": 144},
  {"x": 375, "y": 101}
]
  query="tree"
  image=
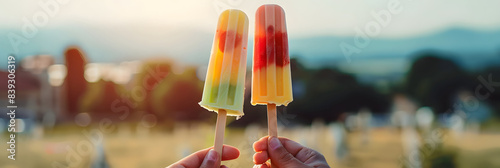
[{"x": 434, "y": 80}]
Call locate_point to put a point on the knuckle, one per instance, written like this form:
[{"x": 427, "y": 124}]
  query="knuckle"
[
  {"x": 311, "y": 155},
  {"x": 285, "y": 157},
  {"x": 317, "y": 155}
]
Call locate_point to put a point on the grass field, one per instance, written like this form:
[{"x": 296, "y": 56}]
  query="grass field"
[{"x": 132, "y": 146}]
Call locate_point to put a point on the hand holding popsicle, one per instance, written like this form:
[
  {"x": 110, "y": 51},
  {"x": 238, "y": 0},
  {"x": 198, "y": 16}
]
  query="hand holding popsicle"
[
  {"x": 207, "y": 158},
  {"x": 284, "y": 152},
  {"x": 224, "y": 85},
  {"x": 271, "y": 78}
]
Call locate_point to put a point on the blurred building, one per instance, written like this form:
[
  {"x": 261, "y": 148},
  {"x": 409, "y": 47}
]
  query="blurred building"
[{"x": 75, "y": 84}]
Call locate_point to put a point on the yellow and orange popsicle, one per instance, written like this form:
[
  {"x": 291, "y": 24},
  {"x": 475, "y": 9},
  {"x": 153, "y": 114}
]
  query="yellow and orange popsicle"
[
  {"x": 225, "y": 81},
  {"x": 271, "y": 78}
]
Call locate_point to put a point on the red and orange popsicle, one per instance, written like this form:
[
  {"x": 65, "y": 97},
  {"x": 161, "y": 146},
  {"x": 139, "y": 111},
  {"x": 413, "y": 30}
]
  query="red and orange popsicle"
[{"x": 271, "y": 78}]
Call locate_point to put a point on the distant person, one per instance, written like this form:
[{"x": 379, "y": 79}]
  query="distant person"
[
  {"x": 100, "y": 160},
  {"x": 340, "y": 138},
  {"x": 282, "y": 152},
  {"x": 424, "y": 118},
  {"x": 364, "y": 123}
]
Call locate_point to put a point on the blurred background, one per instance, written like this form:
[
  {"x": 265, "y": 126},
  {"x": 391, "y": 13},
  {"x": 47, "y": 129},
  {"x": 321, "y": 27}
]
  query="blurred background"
[{"x": 390, "y": 83}]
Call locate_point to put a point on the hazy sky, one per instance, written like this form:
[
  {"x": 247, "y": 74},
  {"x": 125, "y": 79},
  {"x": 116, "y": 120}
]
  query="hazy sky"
[{"x": 304, "y": 17}]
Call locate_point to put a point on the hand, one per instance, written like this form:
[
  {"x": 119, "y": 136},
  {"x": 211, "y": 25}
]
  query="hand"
[
  {"x": 284, "y": 152},
  {"x": 207, "y": 158}
]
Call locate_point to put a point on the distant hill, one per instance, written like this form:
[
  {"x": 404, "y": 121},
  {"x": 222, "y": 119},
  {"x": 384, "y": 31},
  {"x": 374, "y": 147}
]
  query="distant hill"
[
  {"x": 462, "y": 42},
  {"x": 472, "y": 49}
]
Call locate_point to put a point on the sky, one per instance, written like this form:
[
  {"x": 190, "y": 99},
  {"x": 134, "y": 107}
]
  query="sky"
[
  {"x": 125, "y": 30},
  {"x": 304, "y": 18}
]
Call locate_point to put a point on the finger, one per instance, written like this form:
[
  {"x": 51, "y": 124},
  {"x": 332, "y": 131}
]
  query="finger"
[
  {"x": 265, "y": 165},
  {"x": 280, "y": 156},
  {"x": 260, "y": 145},
  {"x": 230, "y": 152},
  {"x": 211, "y": 160},
  {"x": 300, "y": 152},
  {"x": 307, "y": 155},
  {"x": 260, "y": 157},
  {"x": 292, "y": 146},
  {"x": 195, "y": 159}
]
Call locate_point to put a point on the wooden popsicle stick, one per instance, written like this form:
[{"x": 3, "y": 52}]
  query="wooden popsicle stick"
[
  {"x": 272, "y": 123},
  {"x": 272, "y": 120},
  {"x": 219, "y": 131}
]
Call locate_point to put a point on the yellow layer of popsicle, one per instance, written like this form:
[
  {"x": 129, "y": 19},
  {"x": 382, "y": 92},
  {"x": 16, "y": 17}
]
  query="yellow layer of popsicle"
[{"x": 270, "y": 87}]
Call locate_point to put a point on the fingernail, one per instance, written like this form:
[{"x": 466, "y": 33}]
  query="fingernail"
[
  {"x": 212, "y": 155},
  {"x": 274, "y": 143},
  {"x": 257, "y": 166}
]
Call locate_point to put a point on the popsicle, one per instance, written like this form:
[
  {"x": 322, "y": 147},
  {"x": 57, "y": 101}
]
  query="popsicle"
[
  {"x": 271, "y": 78},
  {"x": 223, "y": 91}
]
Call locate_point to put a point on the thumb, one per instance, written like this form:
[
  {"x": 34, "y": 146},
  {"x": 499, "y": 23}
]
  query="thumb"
[
  {"x": 280, "y": 156},
  {"x": 211, "y": 160}
]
